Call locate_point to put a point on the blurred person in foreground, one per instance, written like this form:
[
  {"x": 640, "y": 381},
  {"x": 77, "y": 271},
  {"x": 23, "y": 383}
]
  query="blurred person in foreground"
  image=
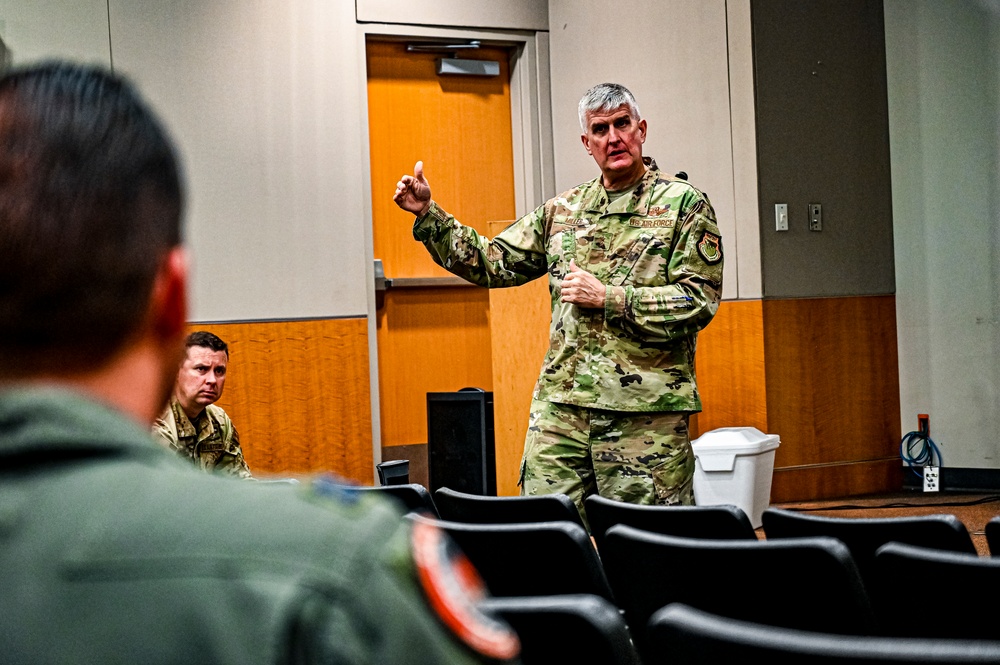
[{"x": 113, "y": 550}]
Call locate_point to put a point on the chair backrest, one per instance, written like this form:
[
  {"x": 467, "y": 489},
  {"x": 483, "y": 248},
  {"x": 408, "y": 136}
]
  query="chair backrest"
[
  {"x": 682, "y": 635},
  {"x": 955, "y": 584},
  {"x": 993, "y": 536},
  {"x": 809, "y": 584},
  {"x": 394, "y": 472},
  {"x": 574, "y": 628},
  {"x": 863, "y": 536},
  {"x": 532, "y": 559},
  {"x": 461, "y": 507},
  {"x": 722, "y": 522},
  {"x": 412, "y": 497}
]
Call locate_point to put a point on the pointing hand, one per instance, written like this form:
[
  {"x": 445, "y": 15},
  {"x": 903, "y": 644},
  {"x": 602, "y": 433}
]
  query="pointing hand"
[{"x": 413, "y": 194}]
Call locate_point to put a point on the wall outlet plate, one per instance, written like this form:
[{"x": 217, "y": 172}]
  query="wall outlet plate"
[{"x": 932, "y": 475}]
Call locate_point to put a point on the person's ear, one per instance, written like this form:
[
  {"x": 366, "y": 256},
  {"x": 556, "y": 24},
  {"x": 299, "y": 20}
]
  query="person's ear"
[
  {"x": 642, "y": 131},
  {"x": 168, "y": 300},
  {"x": 586, "y": 143}
]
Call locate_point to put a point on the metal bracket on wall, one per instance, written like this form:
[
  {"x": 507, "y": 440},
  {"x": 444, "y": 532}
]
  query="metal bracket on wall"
[{"x": 383, "y": 283}]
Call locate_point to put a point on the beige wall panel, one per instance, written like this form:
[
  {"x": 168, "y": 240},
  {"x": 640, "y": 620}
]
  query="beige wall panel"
[
  {"x": 510, "y": 14},
  {"x": 672, "y": 54},
  {"x": 746, "y": 243},
  {"x": 44, "y": 29},
  {"x": 263, "y": 98}
]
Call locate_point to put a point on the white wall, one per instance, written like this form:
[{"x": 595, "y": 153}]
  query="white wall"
[
  {"x": 943, "y": 59},
  {"x": 41, "y": 29},
  {"x": 674, "y": 57},
  {"x": 263, "y": 99}
]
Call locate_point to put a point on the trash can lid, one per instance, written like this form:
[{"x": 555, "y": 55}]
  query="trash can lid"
[{"x": 734, "y": 441}]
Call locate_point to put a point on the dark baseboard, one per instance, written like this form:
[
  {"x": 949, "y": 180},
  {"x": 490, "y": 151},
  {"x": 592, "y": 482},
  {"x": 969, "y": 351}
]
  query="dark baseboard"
[{"x": 959, "y": 480}]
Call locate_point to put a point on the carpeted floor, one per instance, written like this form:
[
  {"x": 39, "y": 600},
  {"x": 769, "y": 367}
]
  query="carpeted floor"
[{"x": 975, "y": 510}]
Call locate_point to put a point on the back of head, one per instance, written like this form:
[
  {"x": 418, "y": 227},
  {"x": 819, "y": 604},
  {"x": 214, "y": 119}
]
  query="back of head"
[{"x": 90, "y": 201}]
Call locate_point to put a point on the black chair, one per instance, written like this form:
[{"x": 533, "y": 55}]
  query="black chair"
[
  {"x": 954, "y": 585},
  {"x": 681, "y": 635},
  {"x": 808, "y": 584},
  {"x": 412, "y": 497},
  {"x": 716, "y": 522},
  {"x": 473, "y": 508},
  {"x": 578, "y": 629},
  {"x": 863, "y": 536},
  {"x": 394, "y": 472},
  {"x": 532, "y": 559},
  {"x": 993, "y": 536}
]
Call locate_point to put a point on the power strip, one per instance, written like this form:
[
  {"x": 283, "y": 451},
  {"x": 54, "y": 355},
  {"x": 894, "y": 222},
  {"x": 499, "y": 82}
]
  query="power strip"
[{"x": 932, "y": 478}]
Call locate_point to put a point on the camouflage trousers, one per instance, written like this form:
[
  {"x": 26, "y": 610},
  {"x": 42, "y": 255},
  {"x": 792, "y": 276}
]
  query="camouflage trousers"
[{"x": 642, "y": 458}]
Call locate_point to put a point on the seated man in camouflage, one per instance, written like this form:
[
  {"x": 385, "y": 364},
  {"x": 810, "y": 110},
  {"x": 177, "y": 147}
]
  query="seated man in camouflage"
[{"x": 192, "y": 425}]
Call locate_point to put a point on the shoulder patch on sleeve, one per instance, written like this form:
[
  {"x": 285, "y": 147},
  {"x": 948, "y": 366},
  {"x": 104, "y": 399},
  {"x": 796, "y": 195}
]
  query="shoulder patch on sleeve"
[
  {"x": 454, "y": 589},
  {"x": 710, "y": 247}
]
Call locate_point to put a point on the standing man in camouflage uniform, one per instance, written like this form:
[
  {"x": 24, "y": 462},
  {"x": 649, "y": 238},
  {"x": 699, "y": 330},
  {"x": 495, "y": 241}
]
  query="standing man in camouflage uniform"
[
  {"x": 192, "y": 426},
  {"x": 634, "y": 261},
  {"x": 113, "y": 550}
]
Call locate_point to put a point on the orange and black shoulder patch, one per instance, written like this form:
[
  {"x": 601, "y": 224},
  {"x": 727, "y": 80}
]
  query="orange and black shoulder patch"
[
  {"x": 710, "y": 247},
  {"x": 454, "y": 591}
]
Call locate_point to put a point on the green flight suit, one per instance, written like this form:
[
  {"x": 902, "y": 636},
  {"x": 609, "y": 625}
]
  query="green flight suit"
[{"x": 112, "y": 550}]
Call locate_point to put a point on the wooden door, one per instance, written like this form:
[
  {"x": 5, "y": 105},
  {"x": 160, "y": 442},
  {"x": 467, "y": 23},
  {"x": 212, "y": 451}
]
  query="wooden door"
[{"x": 433, "y": 337}]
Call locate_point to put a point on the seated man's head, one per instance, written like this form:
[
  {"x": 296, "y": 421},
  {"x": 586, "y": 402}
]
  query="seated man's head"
[
  {"x": 202, "y": 374},
  {"x": 92, "y": 276}
]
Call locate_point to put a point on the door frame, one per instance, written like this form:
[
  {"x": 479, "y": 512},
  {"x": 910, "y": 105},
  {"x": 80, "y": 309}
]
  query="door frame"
[{"x": 531, "y": 132}]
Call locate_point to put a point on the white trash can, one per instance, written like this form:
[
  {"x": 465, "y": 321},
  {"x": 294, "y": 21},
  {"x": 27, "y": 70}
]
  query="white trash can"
[{"x": 734, "y": 465}]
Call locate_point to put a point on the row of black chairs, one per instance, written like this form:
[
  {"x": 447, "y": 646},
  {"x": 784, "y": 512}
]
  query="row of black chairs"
[
  {"x": 587, "y": 630},
  {"x": 800, "y": 579}
]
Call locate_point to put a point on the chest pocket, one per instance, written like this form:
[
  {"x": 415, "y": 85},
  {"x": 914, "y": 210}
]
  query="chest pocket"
[{"x": 645, "y": 254}]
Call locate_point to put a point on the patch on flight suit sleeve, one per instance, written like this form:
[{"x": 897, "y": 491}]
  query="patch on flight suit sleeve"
[
  {"x": 454, "y": 589},
  {"x": 710, "y": 247}
]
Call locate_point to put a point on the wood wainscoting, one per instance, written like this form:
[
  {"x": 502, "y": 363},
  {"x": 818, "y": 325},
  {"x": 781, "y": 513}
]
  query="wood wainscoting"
[
  {"x": 821, "y": 373},
  {"x": 833, "y": 396},
  {"x": 299, "y": 395}
]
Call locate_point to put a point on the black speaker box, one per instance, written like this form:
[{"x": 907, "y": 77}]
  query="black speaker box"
[{"x": 461, "y": 452}]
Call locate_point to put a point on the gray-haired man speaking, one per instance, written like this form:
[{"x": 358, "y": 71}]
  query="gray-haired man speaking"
[{"x": 634, "y": 262}]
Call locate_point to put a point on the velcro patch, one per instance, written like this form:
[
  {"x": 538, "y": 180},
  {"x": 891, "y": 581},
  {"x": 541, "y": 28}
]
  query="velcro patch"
[
  {"x": 710, "y": 247},
  {"x": 454, "y": 590}
]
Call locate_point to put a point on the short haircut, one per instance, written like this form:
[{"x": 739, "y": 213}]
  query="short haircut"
[
  {"x": 207, "y": 340},
  {"x": 90, "y": 205},
  {"x": 606, "y": 97}
]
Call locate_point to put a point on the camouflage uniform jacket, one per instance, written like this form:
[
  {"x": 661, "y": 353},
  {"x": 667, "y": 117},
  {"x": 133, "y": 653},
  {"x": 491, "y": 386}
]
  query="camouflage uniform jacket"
[
  {"x": 117, "y": 551},
  {"x": 210, "y": 442},
  {"x": 659, "y": 253}
]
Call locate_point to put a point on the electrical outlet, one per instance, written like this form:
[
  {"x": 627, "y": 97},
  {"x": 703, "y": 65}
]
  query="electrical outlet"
[
  {"x": 931, "y": 478},
  {"x": 815, "y": 217},
  {"x": 924, "y": 424}
]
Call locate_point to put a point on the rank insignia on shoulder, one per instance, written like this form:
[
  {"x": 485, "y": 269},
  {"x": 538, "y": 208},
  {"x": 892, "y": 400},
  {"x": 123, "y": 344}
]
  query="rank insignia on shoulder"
[
  {"x": 454, "y": 590},
  {"x": 710, "y": 247}
]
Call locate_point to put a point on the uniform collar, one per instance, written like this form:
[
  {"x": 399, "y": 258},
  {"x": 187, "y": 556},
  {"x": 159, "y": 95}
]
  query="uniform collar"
[
  {"x": 596, "y": 199},
  {"x": 200, "y": 428},
  {"x": 47, "y": 420}
]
